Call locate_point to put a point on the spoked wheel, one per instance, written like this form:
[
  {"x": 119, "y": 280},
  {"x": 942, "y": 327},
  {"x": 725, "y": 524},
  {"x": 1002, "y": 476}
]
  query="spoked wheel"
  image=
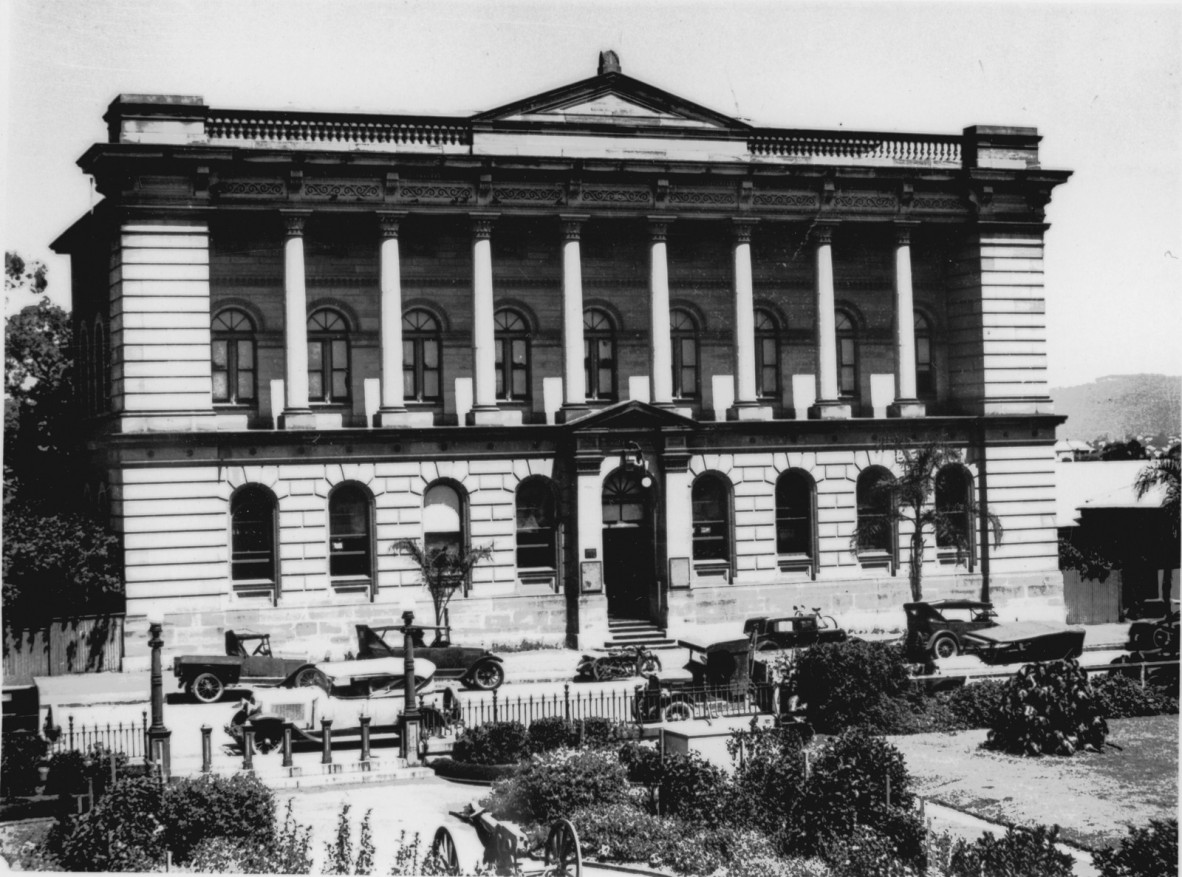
[
  {"x": 207, "y": 688},
  {"x": 678, "y": 711},
  {"x": 945, "y": 647},
  {"x": 457, "y": 854},
  {"x": 487, "y": 676},
  {"x": 309, "y": 677},
  {"x": 564, "y": 856}
]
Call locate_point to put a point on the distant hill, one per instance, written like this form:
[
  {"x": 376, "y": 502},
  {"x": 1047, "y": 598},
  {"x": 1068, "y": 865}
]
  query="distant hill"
[{"x": 1117, "y": 406}]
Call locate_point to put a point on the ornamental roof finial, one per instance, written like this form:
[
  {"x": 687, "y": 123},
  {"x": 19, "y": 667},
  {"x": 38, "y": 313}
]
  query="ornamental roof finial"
[{"x": 609, "y": 62}]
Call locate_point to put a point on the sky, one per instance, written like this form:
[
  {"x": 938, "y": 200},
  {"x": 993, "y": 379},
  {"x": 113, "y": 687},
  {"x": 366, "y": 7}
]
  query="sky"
[{"x": 1102, "y": 83}]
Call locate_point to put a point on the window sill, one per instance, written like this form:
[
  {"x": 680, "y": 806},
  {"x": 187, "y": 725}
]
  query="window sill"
[
  {"x": 795, "y": 563},
  {"x": 950, "y": 557},
  {"x": 541, "y": 576},
  {"x": 705, "y": 570},
  {"x": 351, "y": 585},
  {"x": 875, "y": 560},
  {"x": 254, "y": 588}
]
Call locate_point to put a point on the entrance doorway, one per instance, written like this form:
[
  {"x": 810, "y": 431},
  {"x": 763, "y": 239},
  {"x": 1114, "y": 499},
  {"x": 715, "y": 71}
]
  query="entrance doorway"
[{"x": 628, "y": 548}]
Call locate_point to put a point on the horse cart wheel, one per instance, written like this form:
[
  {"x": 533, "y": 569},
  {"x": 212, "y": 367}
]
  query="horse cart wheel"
[
  {"x": 564, "y": 856},
  {"x": 457, "y": 853}
]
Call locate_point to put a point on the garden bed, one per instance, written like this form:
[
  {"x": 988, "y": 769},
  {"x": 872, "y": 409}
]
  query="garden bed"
[{"x": 1093, "y": 796}]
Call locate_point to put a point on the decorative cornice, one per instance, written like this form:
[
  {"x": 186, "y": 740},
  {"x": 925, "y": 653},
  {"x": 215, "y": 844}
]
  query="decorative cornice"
[{"x": 293, "y": 221}]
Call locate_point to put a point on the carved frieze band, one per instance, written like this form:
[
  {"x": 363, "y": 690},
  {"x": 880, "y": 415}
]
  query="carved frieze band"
[
  {"x": 598, "y": 195},
  {"x": 703, "y": 196},
  {"x": 938, "y": 204},
  {"x": 533, "y": 195},
  {"x": 866, "y": 202},
  {"x": 341, "y": 190},
  {"x": 251, "y": 188},
  {"x": 450, "y": 194},
  {"x": 784, "y": 199}
]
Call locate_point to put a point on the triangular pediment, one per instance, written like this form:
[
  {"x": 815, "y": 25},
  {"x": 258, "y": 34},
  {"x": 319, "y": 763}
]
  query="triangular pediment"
[
  {"x": 612, "y": 99},
  {"x": 632, "y": 415}
]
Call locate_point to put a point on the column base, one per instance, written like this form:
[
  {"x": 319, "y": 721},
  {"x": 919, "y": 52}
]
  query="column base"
[
  {"x": 830, "y": 411},
  {"x": 401, "y": 417},
  {"x": 749, "y": 411},
  {"x": 568, "y": 413},
  {"x": 906, "y": 408},
  {"x": 298, "y": 418},
  {"x": 493, "y": 417}
]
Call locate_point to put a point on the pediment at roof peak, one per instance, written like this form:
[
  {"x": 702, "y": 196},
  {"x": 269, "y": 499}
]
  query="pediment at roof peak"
[
  {"x": 632, "y": 415},
  {"x": 611, "y": 98}
]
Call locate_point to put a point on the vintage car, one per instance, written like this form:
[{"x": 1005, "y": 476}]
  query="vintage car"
[
  {"x": 793, "y": 631},
  {"x": 1156, "y": 634},
  {"x": 341, "y": 691},
  {"x": 472, "y": 667},
  {"x": 1025, "y": 641},
  {"x": 248, "y": 660},
  {"x": 937, "y": 628}
]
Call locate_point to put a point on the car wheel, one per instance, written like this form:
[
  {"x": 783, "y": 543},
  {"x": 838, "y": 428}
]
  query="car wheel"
[
  {"x": 207, "y": 688},
  {"x": 309, "y": 677},
  {"x": 678, "y": 711},
  {"x": 945, "y": 647},
  {"x": 767, "y": 645},
  {"x": 487, "y": 676},
  {"x": 1161, "y": 638}
]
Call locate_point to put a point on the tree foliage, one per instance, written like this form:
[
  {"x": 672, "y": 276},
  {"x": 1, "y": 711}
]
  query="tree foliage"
[
  {"x": 910, "y": 498},
  {"x": 1163, "y": 473},
  {"x": 444, "y": 570}
]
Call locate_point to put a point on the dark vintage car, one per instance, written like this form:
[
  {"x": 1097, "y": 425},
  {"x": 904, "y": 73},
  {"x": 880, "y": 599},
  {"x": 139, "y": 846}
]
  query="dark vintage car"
[
  {"x": 1025, "y": 641},
  {"x": 474, "y": 668},
  {"x": 793, "y": 631},
  {"x": 248, "y": 661},
  {"x": 1157, "y": 635},
  {"x": 938, "y": 628}
]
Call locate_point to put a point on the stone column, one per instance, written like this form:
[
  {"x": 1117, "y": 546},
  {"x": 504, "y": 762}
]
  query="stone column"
[
  {"x": 296, "y": 413},
  {"x": 393, "y": 411},
  {"x": 829, "y": 405},
  {"x": 661, "y": 359},
  {"x": 746, "y": 405},
  {"x": 484, "y": 352},
  {"x": 574, "y": 383},
  {"x": 906, "y": 404}
]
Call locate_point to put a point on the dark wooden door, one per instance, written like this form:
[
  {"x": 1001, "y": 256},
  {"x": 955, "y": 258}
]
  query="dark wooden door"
[{"x": 628, "y": 570}]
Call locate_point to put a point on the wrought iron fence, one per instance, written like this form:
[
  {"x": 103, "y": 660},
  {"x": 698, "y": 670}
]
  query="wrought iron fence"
[{"x": 121, "y": 738}]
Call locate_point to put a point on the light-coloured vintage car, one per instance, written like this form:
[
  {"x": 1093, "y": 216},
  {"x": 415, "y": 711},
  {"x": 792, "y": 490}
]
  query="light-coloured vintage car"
[{"x": 341, "y": 691}]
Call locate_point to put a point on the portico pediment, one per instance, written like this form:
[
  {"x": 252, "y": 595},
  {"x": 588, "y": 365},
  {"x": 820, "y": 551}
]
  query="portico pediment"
[{"x": 632, "y": 415}]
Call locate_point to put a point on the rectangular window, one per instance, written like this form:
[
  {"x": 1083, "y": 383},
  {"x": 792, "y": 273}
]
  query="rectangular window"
[{"x": 220, "y": 356}]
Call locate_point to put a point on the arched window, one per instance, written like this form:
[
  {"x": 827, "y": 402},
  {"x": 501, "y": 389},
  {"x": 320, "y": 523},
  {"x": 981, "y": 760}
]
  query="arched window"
[
  {"x": 954, "y": 500},
  {"x": 876, "y": 529},
  {"x": 536, "y": 525},
  {"x": 328, "y": 357},
  {"x": 925, "y": 373},
  {"x": 232, "y": 345},
  {"x": 443, "y": 519},
  {"x": 767, "y": 355},
  {"x": 683, "y": 332},
  {"x": 711, "y": 501},
  {"x": 599, "y": 355},
  {"x": 350, "y": 532},
  {"x": 847, "y": 356},
  {"x": 512, "y": 337},
  {"x": 252, "y": 535},
  {"x": 421, "y": 380},
  {"x": 794, "y": 513}
]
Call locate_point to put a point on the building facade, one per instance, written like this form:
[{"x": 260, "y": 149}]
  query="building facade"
[{"x": 648, "y": 353}]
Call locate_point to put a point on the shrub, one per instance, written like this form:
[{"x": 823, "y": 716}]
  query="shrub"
[
  {"x": 975, "y": 705},
  {"x": 623, "y": 833},
  {"x": 844, "y": 684},
  {"x": 768, "y": 779},
  {"x": 1048, "y": 709},
  {"x": 1020, "y": 852},
  {"x": 1121, "y": 697},
  {"x": 552, "y": 732},
  {"x": 557, "y": 783},
  {"x": 600, "y": 732},
  {"x": 69, "y": 773},
  {"x": 866, "y": 852},
  {"x": 721, "y": 849},
  {"x": 19, "y": 757},
  {"x": 1146, "y": 852},
  {"x": 493, "y": 743},
  {"x": 239, "y": 806},
  {"x": 287, "y": 855},
  {"x": 692, "y": 788}
]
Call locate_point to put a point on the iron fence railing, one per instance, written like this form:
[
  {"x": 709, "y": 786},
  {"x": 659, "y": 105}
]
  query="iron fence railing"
[{"x": 121, "y": 738}]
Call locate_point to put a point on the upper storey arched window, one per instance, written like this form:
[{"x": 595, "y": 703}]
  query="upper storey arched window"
[
  {"x": 683, "y": 332},
  {"x": 512, "y": 339},
  {"x": 767, "y": 355},
  {"x": 328, "y": 357},
  {"x": 925, "y": 373},
  {"x": 421, "y": 362},
  {"x": 847, "y": 355},
  {"x": 599, "y": 355},
  {"x": 232, "y": 344}
]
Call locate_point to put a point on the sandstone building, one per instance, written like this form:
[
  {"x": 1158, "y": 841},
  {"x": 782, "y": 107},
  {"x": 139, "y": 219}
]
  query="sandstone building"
[{"x": 647, "y": 352}]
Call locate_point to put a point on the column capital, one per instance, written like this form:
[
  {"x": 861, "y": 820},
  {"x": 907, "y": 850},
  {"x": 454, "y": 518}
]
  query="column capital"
[
  {"x": 902, "y": 230},
  {"x": 294, "y": 220},
  {"x": 388, "y": 221},
  {"x": 572, "y": 225},
  {"x": 742, "y": 227},
  {"x": 658, "y": 228},
  {"x": 822, "y": 231},
  {"x": 482, "y": 224}
]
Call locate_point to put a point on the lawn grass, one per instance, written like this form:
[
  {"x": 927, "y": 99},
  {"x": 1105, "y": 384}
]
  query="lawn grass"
[{"x": 1093, "y": 796}]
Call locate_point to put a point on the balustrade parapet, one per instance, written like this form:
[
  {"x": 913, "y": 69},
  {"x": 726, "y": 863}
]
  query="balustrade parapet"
[
  {"x": 937, "y": 150},
  {"x": 280, "y": 126}
]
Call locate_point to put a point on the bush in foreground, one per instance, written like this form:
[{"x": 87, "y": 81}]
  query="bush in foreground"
[
  {"x": 19, "y": 756},
  {"x": 1020, "y": 852},
  {"x": 557, "y": 783},
  {"x": 850, "y": 684},
  {"x": 1121, "y": 697},
  {"x": 1146, "y": 852},
  {"x": 1050, "y": 709},
  {"x": 493, "y": 743}
]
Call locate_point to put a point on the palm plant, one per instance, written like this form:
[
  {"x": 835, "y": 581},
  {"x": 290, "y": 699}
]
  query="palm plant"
[
  {"x": 911, "y": 497},
  {"x": 444, "y": 569},
  {"x": 1163, "y": 473}
]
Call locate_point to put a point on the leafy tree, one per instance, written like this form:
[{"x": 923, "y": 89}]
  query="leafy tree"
[
  {"x": 443, "y": 569},
  {"x": 1163, "y": 472},
  {"x": 911, "y": 497}
]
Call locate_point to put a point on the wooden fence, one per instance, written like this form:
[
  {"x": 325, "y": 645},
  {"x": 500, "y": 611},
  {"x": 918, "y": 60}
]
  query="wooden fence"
[
  {"x": 1092, "y": 601},
  {"x": 87, "y": 644}
]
